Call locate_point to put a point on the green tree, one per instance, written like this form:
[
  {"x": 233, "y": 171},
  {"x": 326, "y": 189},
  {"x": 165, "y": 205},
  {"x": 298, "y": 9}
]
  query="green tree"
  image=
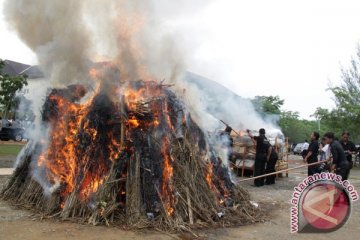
[
  {"x": 330, "y": 120},
  {"x": 296, "y": 129},
  {"x": 346, "y": 115},
  {"x": 268, "y": 105},
  {"x": 9, "y": 86}
]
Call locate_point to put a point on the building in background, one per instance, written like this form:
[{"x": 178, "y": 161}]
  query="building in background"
[
  {"x": 31, "y": 95},
  {"x": 35, "y": 76}
]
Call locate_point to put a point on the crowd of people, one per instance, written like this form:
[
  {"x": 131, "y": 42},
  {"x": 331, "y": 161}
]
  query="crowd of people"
[
  {"x": 337, "y": 154},
  {"x": 329, "y": 154}
]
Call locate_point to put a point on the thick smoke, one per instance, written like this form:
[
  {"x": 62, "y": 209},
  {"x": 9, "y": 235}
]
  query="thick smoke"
[
  {"x": 135, "y": 36},
  {"x": 55, "y": 31},
  {"x": 68, "y": 36}
]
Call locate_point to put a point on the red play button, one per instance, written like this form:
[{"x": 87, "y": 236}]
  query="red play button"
[{"x": 326, "y": 206}]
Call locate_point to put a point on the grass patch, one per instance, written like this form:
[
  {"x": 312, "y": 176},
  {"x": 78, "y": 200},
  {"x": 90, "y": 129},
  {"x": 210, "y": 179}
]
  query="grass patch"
[{"x": 10, "y": 150}]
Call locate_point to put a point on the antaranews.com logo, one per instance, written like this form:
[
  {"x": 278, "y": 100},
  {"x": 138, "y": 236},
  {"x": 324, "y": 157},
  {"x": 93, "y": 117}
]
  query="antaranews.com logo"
[{"x": 321, "y": 203}]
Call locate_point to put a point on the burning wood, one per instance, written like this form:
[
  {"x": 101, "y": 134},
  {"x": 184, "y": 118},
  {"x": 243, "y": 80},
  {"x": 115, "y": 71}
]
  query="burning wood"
[{"x": 140, "y": 160}]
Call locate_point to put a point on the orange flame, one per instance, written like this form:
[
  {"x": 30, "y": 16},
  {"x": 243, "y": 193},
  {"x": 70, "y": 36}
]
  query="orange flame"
[
  {"x": 208, "y": 176},
  {"x": 65, "y": 163},
  {"x": 167, "y": 190},
  {"x": 114, "y": 147},
  {"x": 134, "y": 123},
  {"x": 61, "y": 159}
]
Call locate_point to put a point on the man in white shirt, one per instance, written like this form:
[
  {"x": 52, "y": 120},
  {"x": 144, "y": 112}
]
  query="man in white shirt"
[
  {"x": 304, "y": 149},
  {"x": 326, "y": 150}
]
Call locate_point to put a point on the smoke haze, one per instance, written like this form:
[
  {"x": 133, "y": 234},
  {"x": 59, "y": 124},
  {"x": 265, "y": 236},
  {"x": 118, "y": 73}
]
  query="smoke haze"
[{"x": 68, "y": 36}]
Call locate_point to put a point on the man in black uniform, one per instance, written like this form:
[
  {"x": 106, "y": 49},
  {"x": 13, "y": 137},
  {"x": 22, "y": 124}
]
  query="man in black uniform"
[
  {"x": 270, "y": 166},
  {"x": 262, "y": 155},
  {"x": 227, "y": 132},
  {"x": 313, "y": 152},
  {"x": 228, "y": 142},
  {"x": 340, "y": 163},
  {"x": 349, "y": 148}
]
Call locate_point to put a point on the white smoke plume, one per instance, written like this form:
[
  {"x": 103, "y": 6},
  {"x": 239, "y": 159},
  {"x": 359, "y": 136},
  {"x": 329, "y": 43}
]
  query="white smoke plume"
[
  {"x": 68, "y": 35},
  {"x": 55, "y": 31}
]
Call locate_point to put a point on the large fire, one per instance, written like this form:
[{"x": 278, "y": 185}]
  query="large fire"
[
  {"x": 72, "y": 158},
  {"x": 125, "y": 150}
]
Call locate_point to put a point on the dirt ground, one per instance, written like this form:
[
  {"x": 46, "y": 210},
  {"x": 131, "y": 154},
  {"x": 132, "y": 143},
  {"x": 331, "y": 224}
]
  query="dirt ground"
[{"x": 20, "y": 224}]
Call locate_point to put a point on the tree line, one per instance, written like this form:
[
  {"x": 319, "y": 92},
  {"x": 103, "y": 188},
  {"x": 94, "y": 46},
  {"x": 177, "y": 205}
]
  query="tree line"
[{"x": 344, "y": 117}]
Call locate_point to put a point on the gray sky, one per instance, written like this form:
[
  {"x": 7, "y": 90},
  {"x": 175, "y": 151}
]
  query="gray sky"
[{"x": 261, "y": 47}]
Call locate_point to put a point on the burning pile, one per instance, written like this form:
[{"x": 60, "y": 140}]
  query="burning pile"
[{"x": 130, "y": 154}]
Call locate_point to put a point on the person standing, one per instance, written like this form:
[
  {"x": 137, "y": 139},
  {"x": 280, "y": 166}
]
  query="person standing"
[
  {"x": 327, "y": 151},
  {"x": 349, "y": 148},
  {"x": 227, "y": 133},
  {"x": 227, "y": 142},
  {"x": 340, "y": 163},
  {"x": 262, "y": 155},
  {"x": 304, "y": 149},
  {"x": 321, "y": 151},
  {"x": 312, "y": 153},
  {"x": 325, "y": 155},
  {"x": 270, "y": 166}
]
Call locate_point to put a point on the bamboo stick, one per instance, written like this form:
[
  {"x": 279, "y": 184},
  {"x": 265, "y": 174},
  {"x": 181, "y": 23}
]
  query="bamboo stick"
[
  {"x": 122, "y": 126},
  {"x": 133, "y": 194},
  {"x": 231, "y": 128},
  {"x": 122, "y": 134},
  {"x": 191, "y": 217},
  {"x": 281, "y": 171}
]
